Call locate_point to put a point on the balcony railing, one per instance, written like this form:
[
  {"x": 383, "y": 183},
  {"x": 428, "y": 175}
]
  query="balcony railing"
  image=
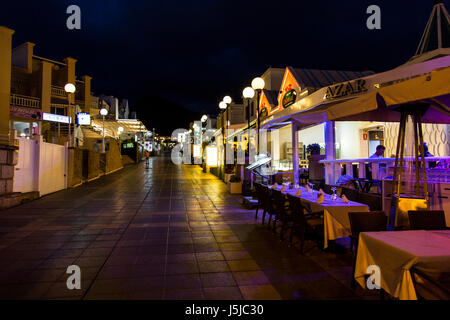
[
  {"x": 24, "y": 101},
  {"x": 58, "y": 91},
  {"x": 378, "y": 172}
]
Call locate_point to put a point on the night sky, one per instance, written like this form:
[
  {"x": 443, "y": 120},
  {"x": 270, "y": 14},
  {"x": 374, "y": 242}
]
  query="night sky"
[{"x": 168, "y": 55}]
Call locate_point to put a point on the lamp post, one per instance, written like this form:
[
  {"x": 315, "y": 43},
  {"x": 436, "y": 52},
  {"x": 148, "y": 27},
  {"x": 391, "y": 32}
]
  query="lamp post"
[
  {"x": 103, "y": 113},
  {"x": 258, "y": 85},
  {"x": 223, "y": 105},
  {"x": 69, "y": 88},
  {"x": 248, "y": 93}
]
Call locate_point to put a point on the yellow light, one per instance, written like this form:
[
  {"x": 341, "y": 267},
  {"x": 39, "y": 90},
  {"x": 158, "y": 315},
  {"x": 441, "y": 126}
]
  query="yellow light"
[
  {"x": 258, "y": 83},
  {"x": 227, "y": 99},
  {"x": 248, "y": 93},
  {"x": 197, "y": 151},
  {"x": 211, "y": 156},
  {"x": 69, "y": 88}
]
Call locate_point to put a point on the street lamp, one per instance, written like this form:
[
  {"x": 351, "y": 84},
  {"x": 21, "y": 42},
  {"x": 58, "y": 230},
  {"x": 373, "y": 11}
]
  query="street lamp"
[
  {"x": 248, "y": 93},
  {"x": 103, "y": 113},
  {"x": 70, "y": 89},
  {"x": 223, "y": 105},
  {"x": 227, "y": 99},
  {"x": 258, "y": 85},
  {"x": 204, "y": 118}
]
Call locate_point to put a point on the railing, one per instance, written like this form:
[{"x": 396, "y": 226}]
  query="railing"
[
  {"x": 24, "y": 101},
  {"x": 374, "y": 166},
  {"x": 58, "y": 91}
]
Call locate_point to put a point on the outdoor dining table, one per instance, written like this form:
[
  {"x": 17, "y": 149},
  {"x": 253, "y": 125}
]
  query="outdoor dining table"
[
  {"x": 397, "y": 252},
  {"x": 336, "y": 221}
]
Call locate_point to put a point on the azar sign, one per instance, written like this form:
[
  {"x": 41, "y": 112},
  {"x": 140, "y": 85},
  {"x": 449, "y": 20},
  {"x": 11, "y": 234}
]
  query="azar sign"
[{"x": 346, "y": 89}]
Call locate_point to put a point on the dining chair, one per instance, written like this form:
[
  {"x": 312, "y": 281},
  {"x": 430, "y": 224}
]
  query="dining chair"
[
  {"x": 351, "y": 194},
  {"x": 327, "y": 189},
  {"x": 430, "y": 286},
  {"x": 267, "y": 203},
  {"x": 280, "y": 209},
  {"x": 372, "y": 200},
  {"x": 427, "y": 220},
  {"x": 302, "y": 221},
  {"x": 364, "y": 222},
  {"x": 259, "y": 191}
]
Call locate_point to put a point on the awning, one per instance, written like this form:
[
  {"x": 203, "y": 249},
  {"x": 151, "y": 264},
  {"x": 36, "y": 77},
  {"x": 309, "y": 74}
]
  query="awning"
[
  {"x": 112, "y": 127},
  {"x": 432, "y": 89}
]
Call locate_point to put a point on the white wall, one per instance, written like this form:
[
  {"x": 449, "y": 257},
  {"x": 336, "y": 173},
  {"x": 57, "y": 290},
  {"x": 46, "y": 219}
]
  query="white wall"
[
  {"x": 26, "y": 168},
  {"x": 312, "y": 135},
  {"x": 42, "y": 167}
]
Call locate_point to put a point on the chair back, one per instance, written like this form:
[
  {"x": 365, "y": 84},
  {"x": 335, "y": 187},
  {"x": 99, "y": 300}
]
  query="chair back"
[
  {"x": 297, "y": 209},
  {"x": 279, "y": 202},
  {"x": 351, "y": 194},
  {"x": 372, "y": 200},
  {"x": 366, "y": 222},
  {"x": 427, "y": 220},
  {"x": 327, "y": 189}
]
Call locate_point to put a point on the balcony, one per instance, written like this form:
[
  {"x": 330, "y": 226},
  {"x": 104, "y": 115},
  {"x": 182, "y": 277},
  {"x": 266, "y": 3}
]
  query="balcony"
[
  {"x": 58, "y": 92},
  {"x": 24, "y": 101}
]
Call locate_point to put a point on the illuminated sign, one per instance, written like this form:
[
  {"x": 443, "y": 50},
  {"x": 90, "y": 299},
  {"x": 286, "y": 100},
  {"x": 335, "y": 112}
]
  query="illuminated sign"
[
  {"x": 289, "y": 98},
  {"x": 346, "y": 89},
  {"x": 211, "y": 156},
  {"x": 83, "y": 119},
  {"x": 56, "y": 118},
  {"x": 197, "y": 151},
  {"x": 264, "y": 112}
]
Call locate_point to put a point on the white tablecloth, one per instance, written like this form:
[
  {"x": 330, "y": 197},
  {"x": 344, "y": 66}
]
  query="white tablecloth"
[
  {"x": 396, "y": 252},
  {"x": 336, "y": 221}
]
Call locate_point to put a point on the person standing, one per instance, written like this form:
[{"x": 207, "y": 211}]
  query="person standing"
[
  {"x": 379, "y": 152},
  {"x": 147, "y": 159}
]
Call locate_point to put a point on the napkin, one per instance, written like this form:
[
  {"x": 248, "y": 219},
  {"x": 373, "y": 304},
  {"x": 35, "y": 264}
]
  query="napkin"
[
  {"x": 299, "y": 192},
  {"x": 275, "y": 185},
  {"x": 283, "y": 189},
  {"x": 344, "y": 199},
  {"x": 320, "y": 198}
]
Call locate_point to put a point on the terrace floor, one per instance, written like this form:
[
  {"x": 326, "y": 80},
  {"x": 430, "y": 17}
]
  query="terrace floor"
[{"x": 168, "y": 232}]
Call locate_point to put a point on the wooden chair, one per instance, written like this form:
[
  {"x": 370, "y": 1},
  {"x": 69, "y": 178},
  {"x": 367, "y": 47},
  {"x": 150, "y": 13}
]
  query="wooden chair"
[
  {"x": 372, "y": 200},
  {"x": 259, "y": 192},
  {"x": 302, "y": 221},
  {"x": 431, "y": 286},
  {"x": 327, "y": 189},
  {"x": 427, "y": 220},
  {"x": 351, "y": 194},
  {"x": 267, "y": 203},
  {"x": 280, "y": 209},
  {"x": 364, "y": 222}
]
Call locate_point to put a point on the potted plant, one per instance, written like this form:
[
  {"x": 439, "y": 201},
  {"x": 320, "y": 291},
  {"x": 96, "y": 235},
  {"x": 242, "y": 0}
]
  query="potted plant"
[
  {"x": 234, "y": 186},
  {"x": 315, "y": 169},
  {"x": 313, "y": 149}
]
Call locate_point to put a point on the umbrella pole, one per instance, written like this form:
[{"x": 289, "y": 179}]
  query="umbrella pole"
[
  {"x": 424, "y": 169},
  {"x": 416, "y": 150},
  {"x": 396, "y": 178}
]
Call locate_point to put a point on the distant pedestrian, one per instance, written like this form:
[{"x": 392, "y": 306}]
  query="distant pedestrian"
[{"x": 147, "y": 159}]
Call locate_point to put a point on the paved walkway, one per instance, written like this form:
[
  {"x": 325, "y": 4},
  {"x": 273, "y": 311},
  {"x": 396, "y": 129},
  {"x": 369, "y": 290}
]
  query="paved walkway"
[{"x": 168, "y": 232}]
